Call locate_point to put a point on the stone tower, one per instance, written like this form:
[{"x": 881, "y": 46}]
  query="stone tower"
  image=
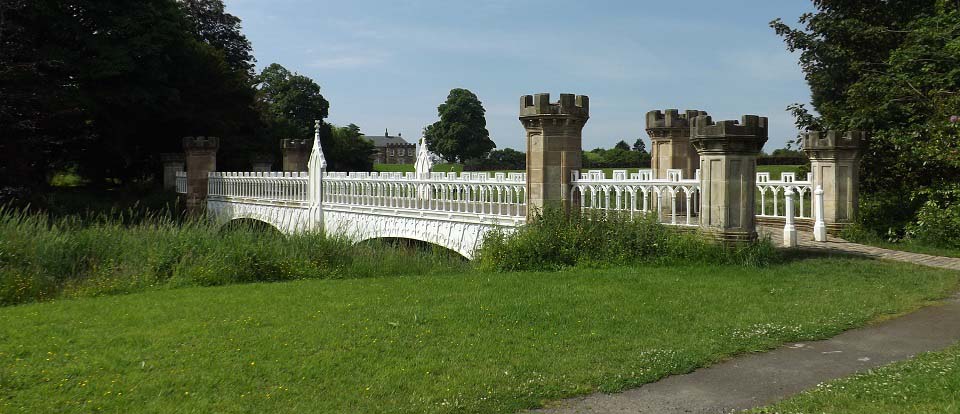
[
  {"x": 728, "y": 173},
  {"x": 172, "y": 164},
  {"x": 835, "y": 163},
  {"x": 554, "y": 148},
  {"x": 201, "y": 157},
  {"x": 670, "y": 147},
  {"x": 296, "y": 153}
]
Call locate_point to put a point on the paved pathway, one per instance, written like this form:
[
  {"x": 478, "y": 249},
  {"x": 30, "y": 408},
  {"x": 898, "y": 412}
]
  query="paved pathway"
[
  {"x": 836, "y": 244},
  {"x": 759, "y": 379}
]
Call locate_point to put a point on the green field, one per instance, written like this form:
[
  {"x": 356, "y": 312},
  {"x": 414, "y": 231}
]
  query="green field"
[
  {"x": 927, "y": 384},
  {"x": 466, "y": 341}
]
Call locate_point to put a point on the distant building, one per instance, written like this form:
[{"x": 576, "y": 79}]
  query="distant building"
[{"x": 392, "y": 150}]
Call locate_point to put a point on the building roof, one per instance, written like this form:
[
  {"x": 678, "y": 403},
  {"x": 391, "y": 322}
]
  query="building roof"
[
  {"x": 382, "y": 141},
  {"x": 386, "y": 138}
]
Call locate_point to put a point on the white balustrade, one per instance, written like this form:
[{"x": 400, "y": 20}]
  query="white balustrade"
[
  {"x": 773, "y": 195},
  {"x": 479, "y": 193},
  {"x": 639, "y": 193},
  {"x": 263, "y": 187},
  {"x": 819, "y": 228},
  {"x": 181, "y": 182}
]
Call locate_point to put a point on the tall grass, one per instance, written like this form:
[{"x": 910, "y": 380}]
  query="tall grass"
[
  {"x": 554, "y": 240},
  {"x": 43, "y": 258}
]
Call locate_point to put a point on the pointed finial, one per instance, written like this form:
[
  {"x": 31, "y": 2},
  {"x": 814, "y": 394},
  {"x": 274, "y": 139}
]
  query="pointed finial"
[{"x": 386, "y": 132}]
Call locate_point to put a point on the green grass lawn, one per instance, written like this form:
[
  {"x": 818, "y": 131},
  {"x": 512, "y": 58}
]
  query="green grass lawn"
[
  {"x": 927, "y": 384},
  {"x": 465, "y": 342}
]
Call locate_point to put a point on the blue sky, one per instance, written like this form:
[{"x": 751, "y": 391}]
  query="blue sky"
[{"x": 389, "y": 64}]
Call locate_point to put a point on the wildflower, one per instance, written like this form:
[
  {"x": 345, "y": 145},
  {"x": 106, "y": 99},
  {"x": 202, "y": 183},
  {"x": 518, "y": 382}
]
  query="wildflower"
[{"x": 954, "y": 119}]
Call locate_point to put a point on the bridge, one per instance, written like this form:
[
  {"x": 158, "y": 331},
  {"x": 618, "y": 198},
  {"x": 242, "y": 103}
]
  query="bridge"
[{"x": 456, "y": 210}]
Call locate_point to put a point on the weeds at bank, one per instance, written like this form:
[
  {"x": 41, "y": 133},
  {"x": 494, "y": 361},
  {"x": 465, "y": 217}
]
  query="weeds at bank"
[
  {"x": 43, "y": 258},
  {"x": 554, "y": 241}
]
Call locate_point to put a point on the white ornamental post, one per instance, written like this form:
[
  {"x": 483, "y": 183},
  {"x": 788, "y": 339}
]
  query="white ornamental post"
[
  {"x": 819, "y": 229},
  {"x": 316, "y": 167},
  {"x": 789, "y": 229}
]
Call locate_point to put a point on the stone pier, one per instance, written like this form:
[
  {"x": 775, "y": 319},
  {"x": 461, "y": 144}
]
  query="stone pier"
[
  {"x": 201, "y": 156},
  {"x": 172, "y": 164},
  {"x": 728, "y": 168},
  {"x": 835, "y": 163},
  {"x": 296, "y": 154},
  {"x": 261, "y": 163},
  {"x": 554, "y": 148},
  {"x": 670, "y": 147}
]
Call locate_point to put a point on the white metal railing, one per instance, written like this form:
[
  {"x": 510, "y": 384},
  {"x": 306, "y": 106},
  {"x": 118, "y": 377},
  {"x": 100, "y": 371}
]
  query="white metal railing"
[
  {"x": 478, "y": 193},
  {"x": 774, "y": 194},
  {"x": 258, "y": 186},
  {"x": 640, "y": 193},
  {"x": 181, "y": 182}
]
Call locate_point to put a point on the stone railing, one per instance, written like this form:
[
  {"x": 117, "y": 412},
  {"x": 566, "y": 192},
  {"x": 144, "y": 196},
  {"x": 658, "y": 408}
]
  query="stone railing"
[
  {"x": 181, "y": 182},
  {"x": 269, "y": 187},
  {"x": 774, "y": 194},
  {"x": 673, "y": 199},
  {"x": 477, "y": 195}
]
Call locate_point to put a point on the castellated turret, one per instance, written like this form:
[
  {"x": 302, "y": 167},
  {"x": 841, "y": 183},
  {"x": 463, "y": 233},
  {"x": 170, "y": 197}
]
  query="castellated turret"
[
  {"x": 670, "y": 148},
  {"x": 296, "y": 144},
  {"x": 663, "y": 124},
  {"x": 835, "y": 163},
  {"x": 296, "y": 154},
  {"x": 747, "y": 135},
  {"x": 554, "y": 149},
  {"x": 576, "y": 106},
  {"x": 728, "y": 167},
  {"x": 814, "y": 140}
]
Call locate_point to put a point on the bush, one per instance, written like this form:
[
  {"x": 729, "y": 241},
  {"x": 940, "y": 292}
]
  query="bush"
[
  {"x": 554, "y": 241},
  {"x": 936, "y": 226}
]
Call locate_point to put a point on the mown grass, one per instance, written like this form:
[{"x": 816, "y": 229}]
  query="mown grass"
[
  {"x": 464, "y": 341},
  {"x": 927, "y": 384}
]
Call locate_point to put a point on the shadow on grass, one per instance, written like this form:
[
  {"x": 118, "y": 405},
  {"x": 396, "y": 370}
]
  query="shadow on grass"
[
  {"x": 801, "y": 254},
  {"x": 413, "y": 246}
]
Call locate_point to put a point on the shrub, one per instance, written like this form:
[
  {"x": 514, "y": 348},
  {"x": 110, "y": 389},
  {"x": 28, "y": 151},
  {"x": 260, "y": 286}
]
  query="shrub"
[
  {"x": 936, "y": 226},
  {"x": 554, "y": 241}
]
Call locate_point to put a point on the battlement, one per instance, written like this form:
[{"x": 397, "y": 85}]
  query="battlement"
[
  {"x": 298, "y": 144},
  {"x": 571, "y": 105},
  {"x": 814, "y": 140},
  {"x": 672, "y": 118},
  {"x": 261, "y": 158},
  {"x": 748, "y": 126},
  {"x": 399, "y": 145},
  {"x": 196, "y": 143},
  {"x": 172, "y": 157}
]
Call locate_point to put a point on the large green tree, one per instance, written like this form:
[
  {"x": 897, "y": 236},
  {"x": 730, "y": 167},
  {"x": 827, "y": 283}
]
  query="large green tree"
[
  {"x": 891, "y": 67},
  {"x": 106, "y": 85},
  {"x": 209, "y": 22},
  {"x": 349, "y": 152},
  {"x": 290, "y": 102},
  {"x": 461, "y": 133}
]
